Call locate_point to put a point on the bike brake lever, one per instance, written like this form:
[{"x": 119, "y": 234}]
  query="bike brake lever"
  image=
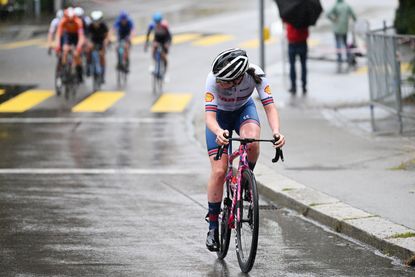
[{"x": 278, "y": 154}]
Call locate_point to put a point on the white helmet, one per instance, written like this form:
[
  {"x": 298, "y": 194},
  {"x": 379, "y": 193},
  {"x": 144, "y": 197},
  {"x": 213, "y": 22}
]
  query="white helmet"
[
  {"x": 97, "y": 15},
  {"x": 230, "y": 64},
  {"x": 79, "y": 11},
  {"x": 59, "y": 14}
]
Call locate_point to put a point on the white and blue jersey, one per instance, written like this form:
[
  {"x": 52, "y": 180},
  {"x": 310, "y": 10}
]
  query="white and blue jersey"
[
  {"x": 218, "y": 98},
  {"x": 234, "y": 106}
]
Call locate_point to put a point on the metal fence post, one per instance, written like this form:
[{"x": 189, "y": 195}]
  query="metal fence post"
[{"x": 261, "y": 34}]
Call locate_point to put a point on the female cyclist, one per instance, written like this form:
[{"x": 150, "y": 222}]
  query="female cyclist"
[{"x": 229, "y": 106}]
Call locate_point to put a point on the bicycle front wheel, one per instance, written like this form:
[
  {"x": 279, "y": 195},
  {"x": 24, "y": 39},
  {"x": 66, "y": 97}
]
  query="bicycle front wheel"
[{"x": 248, "y": 224}]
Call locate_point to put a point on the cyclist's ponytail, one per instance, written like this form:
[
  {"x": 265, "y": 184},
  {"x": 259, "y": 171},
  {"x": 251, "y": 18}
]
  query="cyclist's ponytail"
[{"x": 256, "y": 77}]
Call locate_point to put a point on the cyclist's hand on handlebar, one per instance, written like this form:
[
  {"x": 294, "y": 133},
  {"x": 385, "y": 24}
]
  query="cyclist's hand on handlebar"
[
  {"x": 279, "y": 140},
  {"x": 222, "y": 137}
]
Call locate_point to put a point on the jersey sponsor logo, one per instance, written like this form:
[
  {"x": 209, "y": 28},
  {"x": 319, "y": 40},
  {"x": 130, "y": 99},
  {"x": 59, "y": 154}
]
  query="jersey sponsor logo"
[
  {"x": 267, "y": 90},
  {"x": 209, "y": 97}
]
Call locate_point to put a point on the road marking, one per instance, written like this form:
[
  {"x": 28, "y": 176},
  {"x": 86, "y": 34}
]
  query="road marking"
[
  {"x": 77, "y": 120},
  {"x": 23, "y": 43},
  {"x": 171, "y": 103},
  {"x": 182, "y": 38},
  {"x": 25, "y": 101},
  {"x": 100, "y": 101},
  {"x": 254, "y": 43},
  {"x": 98, "y": 171},
  {"x": 213, "y": 39},
  {"x": 406, "y": 68},
  {"x": 313, "y": 42},
  {"x": 361, "y": 70},
  {"x": 138, "y": 39},
  {"x": 2, "y": 91}
]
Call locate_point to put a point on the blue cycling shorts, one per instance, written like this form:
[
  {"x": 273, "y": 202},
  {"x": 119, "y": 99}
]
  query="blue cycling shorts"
[{"x": 231, "y": 120}]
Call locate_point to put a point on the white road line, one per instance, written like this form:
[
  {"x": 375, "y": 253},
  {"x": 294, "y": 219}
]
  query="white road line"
[
  {"x": 103, "y": 120},
  {"x": 96, "y": 171}
]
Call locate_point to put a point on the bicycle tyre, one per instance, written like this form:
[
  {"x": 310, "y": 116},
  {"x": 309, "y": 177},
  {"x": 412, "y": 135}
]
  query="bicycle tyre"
[
  {"x": 58, "y": 80},
  {"x": 224, "y": 229},
  {"x": 249, "y": 223}
]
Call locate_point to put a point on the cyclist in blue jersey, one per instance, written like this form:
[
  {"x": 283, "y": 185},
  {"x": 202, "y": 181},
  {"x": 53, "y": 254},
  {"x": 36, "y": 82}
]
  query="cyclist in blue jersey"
[
  {"x": 124, "y": 28},
  {"x": 162, "y": 36},
  {"x": 229, "y": 106}
]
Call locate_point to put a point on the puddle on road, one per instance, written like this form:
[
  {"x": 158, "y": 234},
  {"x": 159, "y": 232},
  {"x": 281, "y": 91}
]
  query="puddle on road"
[{"x": 8, "y": 91}]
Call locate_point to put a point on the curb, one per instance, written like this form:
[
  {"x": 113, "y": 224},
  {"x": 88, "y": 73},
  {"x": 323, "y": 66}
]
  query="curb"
[{"x": 382, "y": 234}]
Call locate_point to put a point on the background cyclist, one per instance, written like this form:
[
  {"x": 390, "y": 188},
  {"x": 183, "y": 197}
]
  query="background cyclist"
[
  {"x": 53, "y": 27},
  {"x": 98, "y": 37},
  {"x": 162, "y": 36},
  {"x": 124, "y": 29},
  {"x": 229, "y": 106},
  {"x": 70, "y": 33}
]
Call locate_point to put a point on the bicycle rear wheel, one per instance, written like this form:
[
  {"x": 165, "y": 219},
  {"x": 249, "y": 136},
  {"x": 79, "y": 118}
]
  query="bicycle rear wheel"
[
  {"x": 224, "y": 229},
  {"x": 248, "y": 225}
]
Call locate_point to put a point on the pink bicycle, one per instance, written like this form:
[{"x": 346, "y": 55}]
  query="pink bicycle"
[{"x": 240, "y": 205}]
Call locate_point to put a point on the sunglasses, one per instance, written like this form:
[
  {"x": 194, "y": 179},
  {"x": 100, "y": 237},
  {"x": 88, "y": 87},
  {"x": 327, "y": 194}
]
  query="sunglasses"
[{"x": 234, "y": 82}]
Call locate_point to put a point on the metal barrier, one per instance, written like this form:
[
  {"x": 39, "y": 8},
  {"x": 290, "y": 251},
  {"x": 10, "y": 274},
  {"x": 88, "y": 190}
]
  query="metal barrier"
[{"x": 389, "y": 57}]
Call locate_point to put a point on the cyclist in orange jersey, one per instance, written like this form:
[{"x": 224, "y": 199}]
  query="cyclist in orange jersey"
[{"x": 70, "y": 32}]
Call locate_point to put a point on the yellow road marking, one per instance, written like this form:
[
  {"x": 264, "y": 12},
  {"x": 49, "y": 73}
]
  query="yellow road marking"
[
  {"x": 139, "y": 39},
  {"x": 313, "y": 42},
  {"x": 25, "y": 101},
  {"x": 2, "y": 91},
  {"x": 100, "y": 101},
  {"x": 24, "y": 43},
  {"x": 211, "y": 40},
  {"x": 361, "y": 70},
  {"x": 171, "y": 103},
  {"x": 406, "y": 68},
  {"x": 181, "y": 38},
  {"x": 254, "y": 43}
]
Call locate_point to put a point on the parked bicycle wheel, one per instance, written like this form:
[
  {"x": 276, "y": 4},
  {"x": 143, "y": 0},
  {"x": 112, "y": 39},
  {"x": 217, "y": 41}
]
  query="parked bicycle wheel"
[
  {"x": 224, "y": 228},
  {"x": 248, "y": 226}
]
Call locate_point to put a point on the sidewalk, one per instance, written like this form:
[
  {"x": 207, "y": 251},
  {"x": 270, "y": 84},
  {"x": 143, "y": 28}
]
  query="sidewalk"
[{"x": 337, "y": 172}]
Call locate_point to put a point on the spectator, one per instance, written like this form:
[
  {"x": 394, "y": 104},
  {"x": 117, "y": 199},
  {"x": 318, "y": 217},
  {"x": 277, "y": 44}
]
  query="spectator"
[
  {"x": 340, "y": 15},
  {"x": 297, "y": 46}
]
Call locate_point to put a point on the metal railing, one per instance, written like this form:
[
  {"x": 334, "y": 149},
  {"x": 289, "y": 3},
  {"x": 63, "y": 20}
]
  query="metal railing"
[{"x": 389, "y": 59}]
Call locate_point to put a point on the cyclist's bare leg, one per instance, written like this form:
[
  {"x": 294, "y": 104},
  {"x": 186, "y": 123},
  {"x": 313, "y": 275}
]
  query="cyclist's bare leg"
[
  {"x": 66, "y": 49},
  {"x": 251, "y": 130},
  {"x": 216, "y": 178},
  {"x": 126, "y": 52}
]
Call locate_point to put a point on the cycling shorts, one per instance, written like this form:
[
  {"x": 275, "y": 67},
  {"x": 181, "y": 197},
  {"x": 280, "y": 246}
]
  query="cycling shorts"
[
  {"x": 231, "y": 120},
  {"x": 70, "y": 38}
]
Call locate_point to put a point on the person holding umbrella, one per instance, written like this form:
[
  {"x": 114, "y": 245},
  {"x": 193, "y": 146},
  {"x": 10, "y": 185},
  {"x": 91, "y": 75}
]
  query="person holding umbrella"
[
  {"x": 340, "y": 15},
  {"x": 297, "y": 46}
]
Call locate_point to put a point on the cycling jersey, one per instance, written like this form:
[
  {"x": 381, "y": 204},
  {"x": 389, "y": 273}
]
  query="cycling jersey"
[
  {"x": 73, "y": 26},
  {"x": 161, "y": 32},
  {"x": 231, "y": 121},
  {"x": 98, "y": 33},
  {"x": 124, "y": 30},
  {"x": 232, "y": 99},
  {"x": 54, "y": 25}
]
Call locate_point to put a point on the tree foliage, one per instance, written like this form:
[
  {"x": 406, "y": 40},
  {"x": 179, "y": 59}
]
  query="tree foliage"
[{"x": 405, "y": 17}]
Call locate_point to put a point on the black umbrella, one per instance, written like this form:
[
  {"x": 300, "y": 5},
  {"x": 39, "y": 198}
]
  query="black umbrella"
[{"x": 300, "y": 13}]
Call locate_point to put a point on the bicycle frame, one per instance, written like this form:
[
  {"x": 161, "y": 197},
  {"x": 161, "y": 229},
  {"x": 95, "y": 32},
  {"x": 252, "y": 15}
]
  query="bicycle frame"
[{"x": 235, "y": 183}]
